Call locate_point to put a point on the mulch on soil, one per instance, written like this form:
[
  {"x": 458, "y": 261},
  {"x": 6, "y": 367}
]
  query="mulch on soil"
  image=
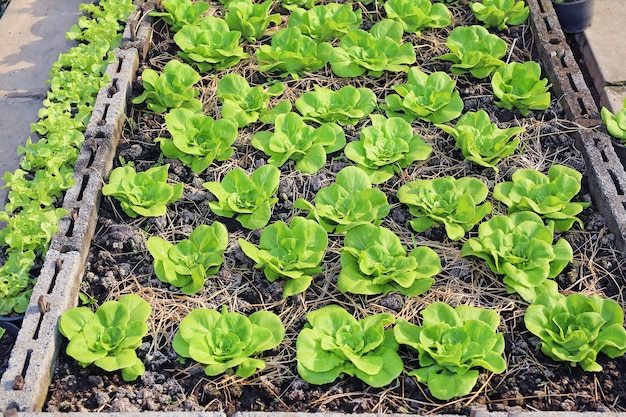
[{"x": 119, "y": 263}]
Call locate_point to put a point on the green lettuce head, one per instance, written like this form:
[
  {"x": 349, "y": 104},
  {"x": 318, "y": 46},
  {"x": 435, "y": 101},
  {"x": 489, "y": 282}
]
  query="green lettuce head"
[
  {"x": 334, "y": 343},
  {"x": 576, "y": 328},
  {"x": 451, "y": 342},
  {"x": 225, "y": 341},
  {"x": 108, "y": 338}
]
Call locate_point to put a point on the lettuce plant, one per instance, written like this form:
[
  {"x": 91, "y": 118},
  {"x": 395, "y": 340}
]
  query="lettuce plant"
[
  {"x": 430, "y": 97},
  {"x": 108, "y": 338},
  {"x": 224, "y": 341},
  {"x": 294, "y": 140},
  {"x": 144, "y": 193},
  {"x": 481, "y": 141},
  {"x": 292, "y": 252},
  {"x": 197, "y": 140},
  {"x": 333, "y": 343},
  {"x": 172, "y": 89},
  {"x": 250, "y": 19},
  {"x": 417, "y": 15},
  {"x": 16, "y": 284},
  {"x": 576, "y": 328},
  {"x": 473, "y": 49},
  {"x": 293, "y": 4},
  {"x": 347, "y": 203},
  {"x": 547, "y": 195},
  {"x": 211, "y": 45},
  {"x": 386, "y": 147},
  {"x": 374, "y": 261},
  {"x": 179, "y": 13},
  {"x": 500, "y": 13},
  {"x": 346, "y": 106},
  {"x": 520, "y": 86},
  {"x": 292, "y": 53},
  {"x": 615, "y": 123},
  {"x": 519, "y": 246},
  {"x": 451, "y": 343},
  {"x": 248, "y": 198},
  {"x": 455, "y": 203},
  {"x": 44, "y": 188},
  {"x": 186, "y": 264},
  {"x": 30, "y": 229},
  {"x": 245, "y": 104},
  {"x": 326, "y": 22},
  {"x": 372, "y": 52}
]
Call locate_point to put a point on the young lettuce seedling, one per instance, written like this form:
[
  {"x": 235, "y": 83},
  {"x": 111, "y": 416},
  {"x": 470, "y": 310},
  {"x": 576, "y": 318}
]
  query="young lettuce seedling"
[
  {"x": 292, "y": 53},
  {"x": 576, "y": 328},
  {"x": 292, "y": 252},
  {"x": 372, "y": 52},
  {"x": 16, "y": 284},
  {"x": 374, "y": 261},
  {"x": 293, "y": 139},
  {"x": 334, "y": 343},
  {"x": 347, "y": 203},
  {"x": 417, "y": 15},
  {"x": 211, "y": 45},
  {"x": 246, "y": 105},
  {"x": 108, "y": 338},
  {"x": 172, "y": 89},
  {"x": 346, "y": 106},
  {"x": 615, "y": 123},
  {"x": 473, "y": 49},
  {"x": 500, "y": 13},
  {"x": 519, "y": 246},
  {"x": 189, "y": 262},
  {"x": 547, "y": 195},
  {"x": 451, "y": 342},
  {"x": 250, "y": 19},
  {"x": 144, "y": 193},
  {"x": 179, "y": 13},
  {"x": 430, "y": 97},
  {"x": 386, "y": 147},
  {"x": 481, "y": 141},
  {"x": 197, "y": 140},
  {"x": 455, "y": 203},
  {"x": 247, "y": 198},
  {"x": 224, "y": 341},
  {"x": 326, "y": 22},
  {"x": 519, "y": 86}
]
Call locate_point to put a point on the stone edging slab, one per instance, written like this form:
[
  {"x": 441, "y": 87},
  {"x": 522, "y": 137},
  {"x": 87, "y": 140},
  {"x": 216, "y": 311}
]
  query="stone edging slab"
[{"x": 24, "y": 385}]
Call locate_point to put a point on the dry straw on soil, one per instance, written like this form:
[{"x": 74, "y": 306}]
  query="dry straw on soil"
[{"x": 120, "y": 264}]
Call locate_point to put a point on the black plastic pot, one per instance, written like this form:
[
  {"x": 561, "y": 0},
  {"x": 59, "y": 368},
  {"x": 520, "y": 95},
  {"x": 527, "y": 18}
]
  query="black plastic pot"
[
  {"x": 11, "y": 329},
  {"x": 16, "y": 318},
  {"x": 574, "y": 16}
]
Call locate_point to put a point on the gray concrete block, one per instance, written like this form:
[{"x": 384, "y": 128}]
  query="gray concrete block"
[
  {"x": 33, "y": 357},
  {"x": 109, "y": 114},
  {"x": 607, "y": 178},
  {"x": 138, "y": 32},
  {"x": 76, "y": 229}
]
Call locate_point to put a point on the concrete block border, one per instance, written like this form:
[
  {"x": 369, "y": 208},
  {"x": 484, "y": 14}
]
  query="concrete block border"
[
  {"x": 607, "y": 178},
  {"x": 24, "y": 385}
]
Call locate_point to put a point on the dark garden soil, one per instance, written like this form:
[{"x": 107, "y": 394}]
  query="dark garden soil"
[{"x": 119, "y": 263}]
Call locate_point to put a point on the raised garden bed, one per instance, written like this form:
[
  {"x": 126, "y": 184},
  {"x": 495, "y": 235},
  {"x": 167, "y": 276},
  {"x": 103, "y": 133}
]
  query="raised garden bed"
[{"x": 117, "y": 261}]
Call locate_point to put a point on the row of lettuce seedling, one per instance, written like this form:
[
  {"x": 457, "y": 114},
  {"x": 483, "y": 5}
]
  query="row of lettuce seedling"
[
  {"x": 450, "y": 342},
  {"x": 46, "y": 169}
]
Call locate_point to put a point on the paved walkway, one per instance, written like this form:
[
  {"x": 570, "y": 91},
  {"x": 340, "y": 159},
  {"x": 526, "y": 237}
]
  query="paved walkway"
[{"x": 32, "y": 34}]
